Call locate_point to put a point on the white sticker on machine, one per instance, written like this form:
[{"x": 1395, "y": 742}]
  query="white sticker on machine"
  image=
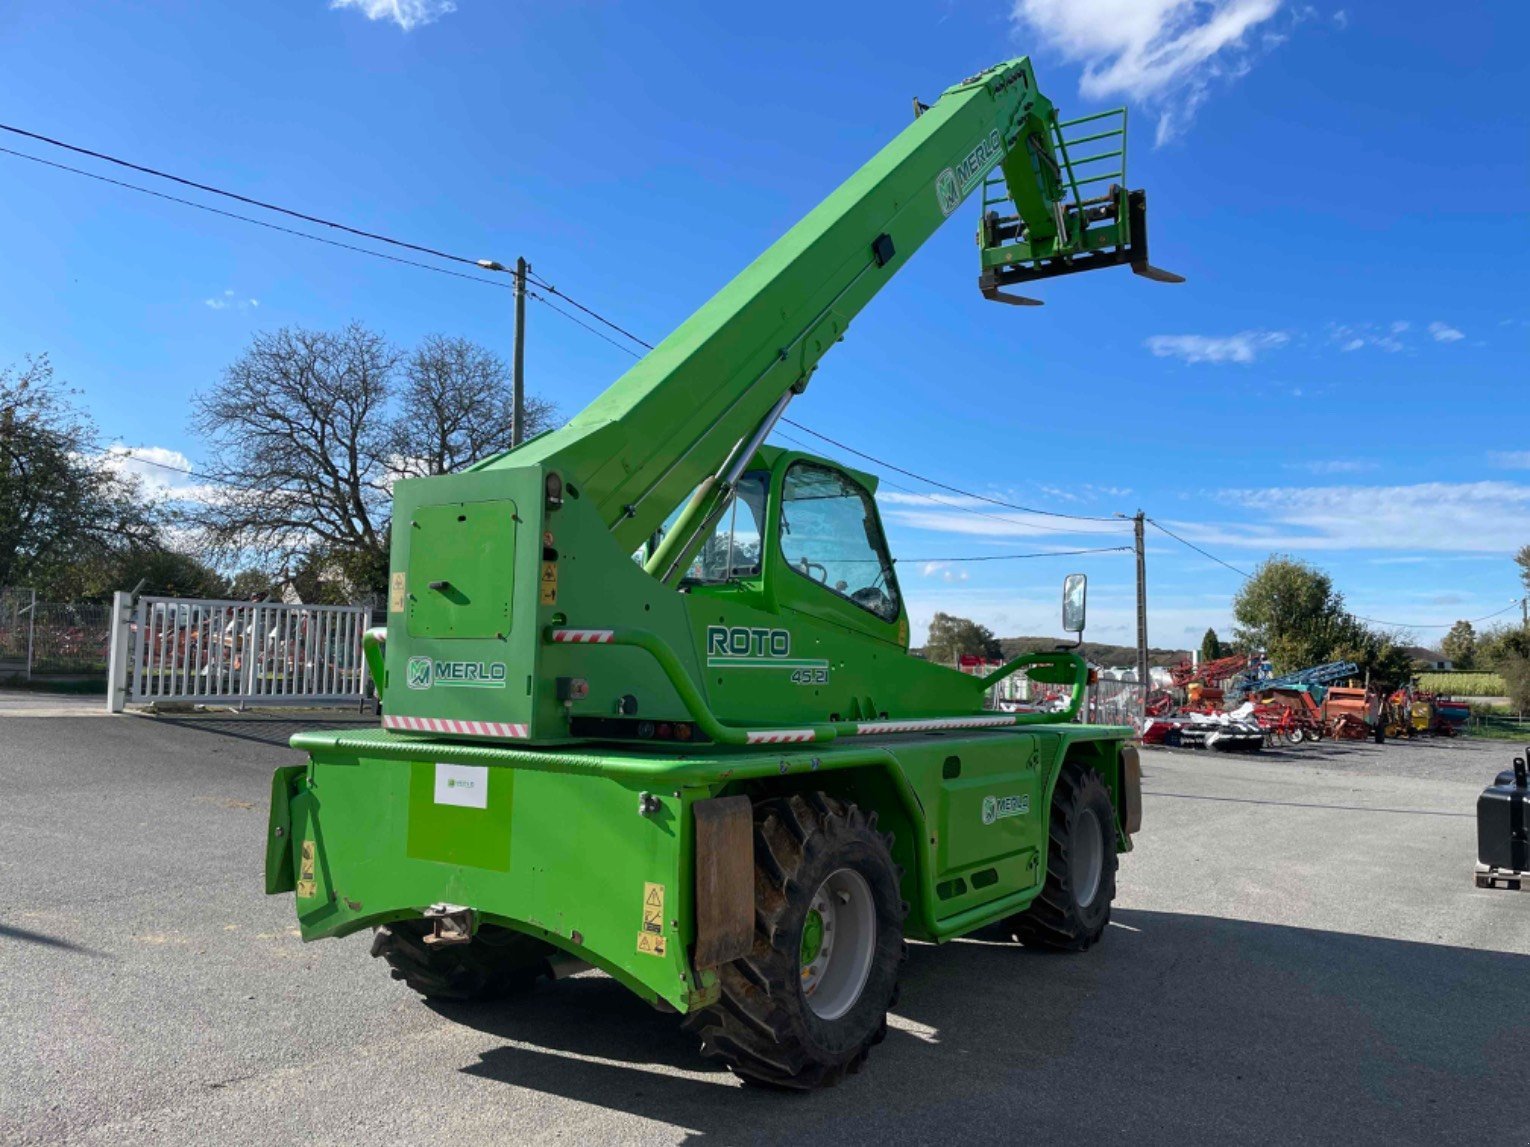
[{"x": 465, "y": 785}]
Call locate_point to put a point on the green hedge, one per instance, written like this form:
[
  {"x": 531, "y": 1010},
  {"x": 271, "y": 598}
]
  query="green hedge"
[{"x": 1463, "y": 684}]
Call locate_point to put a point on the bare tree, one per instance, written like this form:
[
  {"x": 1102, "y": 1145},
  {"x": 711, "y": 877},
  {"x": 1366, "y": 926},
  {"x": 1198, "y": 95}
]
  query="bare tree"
[
  {"x": 457, "y": 408},
  {"x": 300, "y": 438}
]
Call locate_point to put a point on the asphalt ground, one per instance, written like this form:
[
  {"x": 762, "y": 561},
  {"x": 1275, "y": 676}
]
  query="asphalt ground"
[{"x": 1298, "y": 954}]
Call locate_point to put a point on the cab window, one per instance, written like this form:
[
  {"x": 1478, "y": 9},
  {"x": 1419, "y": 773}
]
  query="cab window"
[
  {"x": 732, "y": 550},
  {"x": 829, "y": 534}
]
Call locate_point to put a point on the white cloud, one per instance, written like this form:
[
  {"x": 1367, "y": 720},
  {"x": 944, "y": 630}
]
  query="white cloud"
[
  {"x": 407, "y": 14},
  {"x": 160, "y": 471},
  {"x": 228, "y": 301},
  {"x": 1341, "y": 19},
  {"x": 1445, "y": 333},
  {"x": 1400, "y": 326},
  {"x": 1164, "y": 53},
  {"x": 1352, "y": 338},
  {"x": 1332, "y": 466},
  {"x": 1243, "y": 347},
  {"x": 948, "y": 514},
  {"x": 1511, "y": 459},
  {"x": 943, "y": 570},
  {"x": 1436, "y": 517}
]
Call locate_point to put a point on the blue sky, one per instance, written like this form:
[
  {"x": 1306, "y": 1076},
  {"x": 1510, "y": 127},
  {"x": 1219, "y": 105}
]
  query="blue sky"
[{"x": 1341, "y": 378}]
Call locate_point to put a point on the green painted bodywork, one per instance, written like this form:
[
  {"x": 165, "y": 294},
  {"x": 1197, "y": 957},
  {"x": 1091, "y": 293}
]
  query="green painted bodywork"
[
  {"x": 524, "y": 639},
  {"x": 562, "y": 851}
]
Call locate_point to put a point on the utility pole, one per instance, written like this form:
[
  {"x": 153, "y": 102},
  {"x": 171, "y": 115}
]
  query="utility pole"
[
  {"x": 518, "y": 363},
  {"x": 1142, "y": 639},
  {"x": 518, "y": 356}
]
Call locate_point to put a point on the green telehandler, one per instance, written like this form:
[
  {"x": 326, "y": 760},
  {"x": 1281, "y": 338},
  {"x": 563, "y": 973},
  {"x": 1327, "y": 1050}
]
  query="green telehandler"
[{"x": 647, "y": 702}]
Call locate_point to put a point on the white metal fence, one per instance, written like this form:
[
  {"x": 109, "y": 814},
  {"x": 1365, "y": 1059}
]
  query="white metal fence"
[{"x": 167, "y": 649}]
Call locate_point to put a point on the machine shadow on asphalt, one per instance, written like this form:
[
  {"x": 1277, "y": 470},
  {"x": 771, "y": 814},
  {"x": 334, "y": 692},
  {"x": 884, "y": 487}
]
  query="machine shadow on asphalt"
[
  {"x": 1341, "y": 1020},
  {"x": 27, "y": 936}
]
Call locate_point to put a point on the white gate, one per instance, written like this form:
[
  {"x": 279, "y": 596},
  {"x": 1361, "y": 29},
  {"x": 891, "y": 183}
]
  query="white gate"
[{"x": 170, "y": 649}]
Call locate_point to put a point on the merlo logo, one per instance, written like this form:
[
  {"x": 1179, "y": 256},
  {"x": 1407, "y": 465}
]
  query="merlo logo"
[{"x": 418, "y": 673}]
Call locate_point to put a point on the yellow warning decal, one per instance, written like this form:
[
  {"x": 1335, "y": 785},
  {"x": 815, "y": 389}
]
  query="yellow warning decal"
[
  {"x": 653, "y": 908},
  {"x": 651, "y": 944},
  {"x": 396, "y": 594},
  {"x": 305, "y": 885},
  {"x": 549, "y": 583}
]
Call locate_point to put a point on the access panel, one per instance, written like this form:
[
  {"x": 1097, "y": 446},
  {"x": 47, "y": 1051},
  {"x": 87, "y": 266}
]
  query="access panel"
[{"x": 461, "y": 569}]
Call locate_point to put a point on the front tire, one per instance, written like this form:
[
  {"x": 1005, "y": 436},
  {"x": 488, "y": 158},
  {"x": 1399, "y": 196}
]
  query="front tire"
[
  {"x": 496, "y": 963},
  {"x": 807, "y": 1004},
  {"x": 1073, "y": 908}
]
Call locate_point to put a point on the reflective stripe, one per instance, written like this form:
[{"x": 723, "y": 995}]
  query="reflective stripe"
[
  {"x": 457, "y": 728},
  {"x": 583, "y": 636},
  {"x": 930, "y": 723},
  {"x": 778, "y": 736}
]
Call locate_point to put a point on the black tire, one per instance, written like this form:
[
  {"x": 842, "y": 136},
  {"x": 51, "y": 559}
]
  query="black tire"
[
  {"x": 763, "y": 1026},
  {"x": 1058, "y": 918},
  {"x": 497, "y": 962}
]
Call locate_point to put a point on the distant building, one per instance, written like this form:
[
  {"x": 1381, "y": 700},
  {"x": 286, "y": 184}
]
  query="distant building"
[{"x": 1428, "y": 658}]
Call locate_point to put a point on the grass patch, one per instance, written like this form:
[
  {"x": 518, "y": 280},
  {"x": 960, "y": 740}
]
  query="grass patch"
[{"x": 1498, "y": 728}]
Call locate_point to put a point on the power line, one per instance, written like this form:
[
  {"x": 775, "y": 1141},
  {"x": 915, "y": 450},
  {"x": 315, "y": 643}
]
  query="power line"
[
  {"x": 537, "y": 279},
  {"x": 581, "y": 323},
  {"x": 256, "y": 222},
  {"x": 935, "y": 499},
  {"x": 1438, "y": 624},
  {"x": 420, "y": 247},
  {"x": 596, "y": 315},
  {"x": 1357, "y": 616},
  {"x": 944, "y": 486},
  {"x": 211, "y": 190},
  {"x": 1245, "y": 576},
  {"x": 1018, "y": 557}
]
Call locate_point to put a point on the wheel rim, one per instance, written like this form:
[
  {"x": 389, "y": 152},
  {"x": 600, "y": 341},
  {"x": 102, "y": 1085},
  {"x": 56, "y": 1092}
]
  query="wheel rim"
[
  {"x": 839, "y": 939},
  {"x": 1088, "y": 858}
]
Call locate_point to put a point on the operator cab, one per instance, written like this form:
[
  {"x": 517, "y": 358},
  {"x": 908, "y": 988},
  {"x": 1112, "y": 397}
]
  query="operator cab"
[{"x": 804, "y": 533}]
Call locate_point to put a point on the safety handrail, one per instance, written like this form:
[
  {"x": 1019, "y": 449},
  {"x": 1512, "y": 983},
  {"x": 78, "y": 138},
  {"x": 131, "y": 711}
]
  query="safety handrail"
[
  {"x": 1027, "y": 660},
  {"x": 372, "y": 642}
]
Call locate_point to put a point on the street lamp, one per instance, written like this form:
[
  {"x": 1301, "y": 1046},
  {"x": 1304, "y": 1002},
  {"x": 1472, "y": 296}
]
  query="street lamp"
[{"x": 518, "y": 357}]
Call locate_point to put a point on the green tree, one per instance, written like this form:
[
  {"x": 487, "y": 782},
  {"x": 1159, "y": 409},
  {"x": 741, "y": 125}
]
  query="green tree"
[
  {"x": 162, "y": 570},
  {"x": 1292, "y": 611},
  {"x": 61, "y": 507},
  {"x": 1460, "y": 645},
  {"x": 1211, "y": 646},
  {"x": 952, "y": 637},
  {"x": 1515, "y": 671},
  {"x": 1522, "y": 560}
]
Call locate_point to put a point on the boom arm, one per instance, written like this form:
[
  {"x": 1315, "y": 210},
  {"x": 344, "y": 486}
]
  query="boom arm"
[{"x": 689, "y": 410}]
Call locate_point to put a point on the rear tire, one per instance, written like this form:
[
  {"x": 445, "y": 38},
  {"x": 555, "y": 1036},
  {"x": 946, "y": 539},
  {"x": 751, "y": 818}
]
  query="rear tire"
[
  {"x": 807, "y": 1004},
  {"x": 1073, "y": 908},
  {"x": 497, "y": 962}
]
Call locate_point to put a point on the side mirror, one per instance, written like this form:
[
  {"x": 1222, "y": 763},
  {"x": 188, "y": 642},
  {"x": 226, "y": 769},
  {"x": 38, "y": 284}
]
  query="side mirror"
[{"x": 1075, "y": 590}]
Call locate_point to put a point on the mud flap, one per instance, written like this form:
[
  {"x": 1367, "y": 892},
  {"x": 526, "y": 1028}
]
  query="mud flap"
[
  {"x": 724, "y": 880},
  {"x": 280, "y": 873}
]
